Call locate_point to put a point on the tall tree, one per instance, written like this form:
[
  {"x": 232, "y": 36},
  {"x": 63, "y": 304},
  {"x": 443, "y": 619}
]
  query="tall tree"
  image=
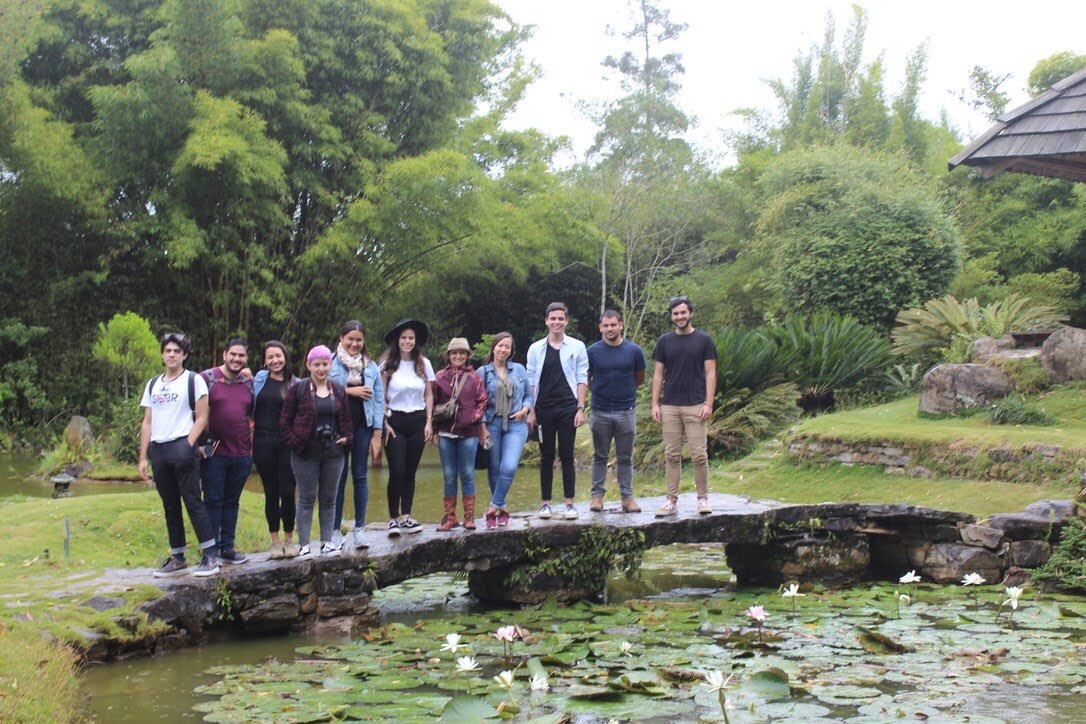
[{"x": 644, "y": 171}]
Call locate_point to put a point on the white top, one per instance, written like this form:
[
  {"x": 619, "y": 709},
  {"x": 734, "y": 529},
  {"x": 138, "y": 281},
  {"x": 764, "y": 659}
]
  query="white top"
[
  {"x": 406, "y": 391},
  {"x": 171, "y": 414}
]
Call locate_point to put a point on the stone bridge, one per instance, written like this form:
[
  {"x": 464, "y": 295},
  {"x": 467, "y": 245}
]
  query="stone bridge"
[{"x": 766, "y": 543}]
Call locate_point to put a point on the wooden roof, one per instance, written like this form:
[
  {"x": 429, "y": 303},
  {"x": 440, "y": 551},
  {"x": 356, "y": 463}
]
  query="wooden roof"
[{"x": 1045, "y": 137}]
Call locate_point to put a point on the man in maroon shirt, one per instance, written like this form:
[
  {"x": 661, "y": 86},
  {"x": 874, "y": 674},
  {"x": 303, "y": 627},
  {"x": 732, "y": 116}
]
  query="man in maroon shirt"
[{"x": 229, "y": 458}]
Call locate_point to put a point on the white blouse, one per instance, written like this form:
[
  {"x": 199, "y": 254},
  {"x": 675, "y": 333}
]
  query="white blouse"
[{"x": 406, "y": 391}]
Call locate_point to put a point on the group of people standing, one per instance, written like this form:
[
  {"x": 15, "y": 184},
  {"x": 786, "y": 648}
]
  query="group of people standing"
[{"x": 202, "y": 433}]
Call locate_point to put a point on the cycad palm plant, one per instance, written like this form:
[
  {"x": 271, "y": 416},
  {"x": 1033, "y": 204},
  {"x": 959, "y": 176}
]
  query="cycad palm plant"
[
  {"x": 943, "y": 324},
  {"x": 826, "y": 352}
]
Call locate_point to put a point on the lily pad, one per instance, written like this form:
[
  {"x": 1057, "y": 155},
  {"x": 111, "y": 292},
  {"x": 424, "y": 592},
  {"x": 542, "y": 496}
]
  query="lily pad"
[{"x": 467, "y": 710}]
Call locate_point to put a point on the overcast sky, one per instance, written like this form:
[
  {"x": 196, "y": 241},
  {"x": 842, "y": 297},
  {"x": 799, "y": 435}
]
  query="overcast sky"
[{"x": 731, "y": 47}]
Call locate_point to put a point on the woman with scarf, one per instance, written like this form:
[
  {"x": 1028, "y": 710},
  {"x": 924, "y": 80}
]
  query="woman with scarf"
[
  {"x": 357, "y": 374},
  {"x": 508, "y": 400},
  {"x": 458, "y": 437}
]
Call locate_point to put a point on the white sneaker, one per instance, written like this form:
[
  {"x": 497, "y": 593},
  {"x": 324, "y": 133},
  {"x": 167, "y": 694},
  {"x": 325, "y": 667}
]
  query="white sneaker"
[
  {"x": 358, "y": 541},
  {"x": 703, "y": 506},
  {"x": 570, "y": 513},
  {"x": 394, "y": 528},
  {"x": 328, "y": 549},
  {"x": 410, "y": 525},
  {"x": 307, "y": 551},
  {"x": 668, "y": 508},
  {"x": 545, "y": 511},
  {"x": 337, "y": 538}
]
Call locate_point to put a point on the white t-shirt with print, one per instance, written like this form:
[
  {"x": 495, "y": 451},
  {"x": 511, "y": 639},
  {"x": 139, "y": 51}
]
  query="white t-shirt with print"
[
  {"x": 406, "y": 390},
  {"x": 171, "y": 415}
]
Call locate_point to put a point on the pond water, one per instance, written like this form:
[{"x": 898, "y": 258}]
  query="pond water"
[
  {"x": 18, "y": 476},
  {"x": 842, "y": 656}
]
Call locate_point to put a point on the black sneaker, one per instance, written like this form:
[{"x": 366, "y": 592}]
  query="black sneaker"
[
  {"x": 410, "y": 525},
  {"x": 174, "y": 566},
  {"x": 232, "y": 557},
  {"x": 393, "y": 529},
  {"x": 209, "y": 566}
]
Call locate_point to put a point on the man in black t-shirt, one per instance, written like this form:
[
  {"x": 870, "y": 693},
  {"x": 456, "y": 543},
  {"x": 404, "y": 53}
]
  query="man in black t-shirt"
[{"x": 685, "y": 372}]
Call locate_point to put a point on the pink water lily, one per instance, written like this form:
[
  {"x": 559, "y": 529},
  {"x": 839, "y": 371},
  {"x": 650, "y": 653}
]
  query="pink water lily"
[
  {"x": 757, "y": 613},
  {"x": 506, "y": 633}
]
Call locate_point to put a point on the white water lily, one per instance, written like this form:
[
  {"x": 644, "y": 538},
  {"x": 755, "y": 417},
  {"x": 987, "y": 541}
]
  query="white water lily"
[
  {"x": 715, "y": 681},
  {"x": 467, "y": 663},
  {"x": 792, "y": 591},
  {"x": 909, "y": 577},
  {"x": 1013, "y": 593},
  {"x": 539, "y": 682},
  {"x": 452, "y": 643},
  {"x": 973, "y": 579},
  {"x": 625, "y": 647},
  {"x": 905, "y": 598},
  {"x": 504, "y": 679}
]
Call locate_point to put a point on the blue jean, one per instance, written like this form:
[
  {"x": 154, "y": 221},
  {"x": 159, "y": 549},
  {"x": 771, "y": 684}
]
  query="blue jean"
[
  {"x": 458, "y": 458},
  {"x": 224, "y": 478},
  {"x": 505, "y": 450},
  {"x": 359, "y": 463},
  {"x": 621, "y": 427}
]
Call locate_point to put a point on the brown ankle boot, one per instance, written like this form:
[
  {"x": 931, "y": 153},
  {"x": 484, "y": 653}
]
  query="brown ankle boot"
[
  {"x": 448, "y": 520},
  {"x": 469, "y": 512}
]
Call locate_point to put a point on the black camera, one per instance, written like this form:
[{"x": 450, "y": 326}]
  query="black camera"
[{"x": 325, "y": 433}]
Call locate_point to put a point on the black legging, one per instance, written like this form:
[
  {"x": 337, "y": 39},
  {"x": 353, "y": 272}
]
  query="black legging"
[
  {"x": 272, "y": 460},
  {"x": 552, "y": 422},
  {"x": 404, "y": 453}
]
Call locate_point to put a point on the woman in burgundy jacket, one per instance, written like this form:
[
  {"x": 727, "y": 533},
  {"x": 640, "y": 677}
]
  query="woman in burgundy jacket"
[
  {"x": 316, "y": 425},
  {"x": 458, "y": 439}
]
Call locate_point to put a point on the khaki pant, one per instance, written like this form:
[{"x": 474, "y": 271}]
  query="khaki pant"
[{"x": 678, "y": 422}]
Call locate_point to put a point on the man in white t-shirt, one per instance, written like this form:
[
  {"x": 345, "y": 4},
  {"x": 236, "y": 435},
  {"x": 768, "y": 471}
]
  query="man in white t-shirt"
[{"x": 174, "y": 415}]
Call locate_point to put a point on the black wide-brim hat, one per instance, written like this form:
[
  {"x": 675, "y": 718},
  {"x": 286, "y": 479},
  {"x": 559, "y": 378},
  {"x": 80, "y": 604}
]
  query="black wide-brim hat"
[{"x": 422, "y": 332}]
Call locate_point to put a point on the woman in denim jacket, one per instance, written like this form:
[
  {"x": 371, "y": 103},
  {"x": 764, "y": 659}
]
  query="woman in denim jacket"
[
  {"x": 355, "y": 372},
  {"x": 508, "y": 402}
]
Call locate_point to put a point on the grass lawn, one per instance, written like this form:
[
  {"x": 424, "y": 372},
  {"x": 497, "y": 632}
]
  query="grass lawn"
[
  {"x": 797, "y": 482},
  {"x": 900, "y": 421}
]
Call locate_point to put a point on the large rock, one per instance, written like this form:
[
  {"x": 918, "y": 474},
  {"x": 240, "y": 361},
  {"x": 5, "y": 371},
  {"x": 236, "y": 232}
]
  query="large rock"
[
  {"x": 949, "y": 562},
  {"x": 1063, "y": 355},
  {"x": 948, "y": 388},
  {"x": 1039, "y": 521},
  {"x": 79, "y": 434},
  {"x": 987, "y": 347}
]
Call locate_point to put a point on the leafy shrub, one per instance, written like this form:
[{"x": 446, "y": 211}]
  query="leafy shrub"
[
  {"x": 946, "y": 327},
  {"x": 123, "y": 439},
  {"x": 1028, "y": 376},
  {"x": 1066, "y": 569},
  {"x": 901, "y": 380},
  {"x": 1013, "y": 410}
]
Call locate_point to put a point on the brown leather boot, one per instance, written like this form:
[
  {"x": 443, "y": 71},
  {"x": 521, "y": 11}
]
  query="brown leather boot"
[
  {"x": 448, "y": 520},
  {"x": 469, "y": 512},
  {"x": 629, "y": 505}
]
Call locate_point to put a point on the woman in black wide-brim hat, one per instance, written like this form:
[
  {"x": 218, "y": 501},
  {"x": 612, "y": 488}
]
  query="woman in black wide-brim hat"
[{"x": 409, "y": 405}]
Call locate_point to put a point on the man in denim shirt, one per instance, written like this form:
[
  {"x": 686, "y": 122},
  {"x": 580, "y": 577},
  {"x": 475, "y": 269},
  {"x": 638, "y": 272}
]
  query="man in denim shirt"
[
  {"x": 616, "y": 368},
  {"x": 558, "y": 375}
]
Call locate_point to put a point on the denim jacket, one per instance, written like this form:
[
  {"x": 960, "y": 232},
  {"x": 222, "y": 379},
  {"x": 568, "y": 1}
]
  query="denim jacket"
[
  {"x": 373, "y": 407},
  {"x": 522, "y": 394},
  {"x": 261, "y": 378},
  {"x": 574, "y": 357}
]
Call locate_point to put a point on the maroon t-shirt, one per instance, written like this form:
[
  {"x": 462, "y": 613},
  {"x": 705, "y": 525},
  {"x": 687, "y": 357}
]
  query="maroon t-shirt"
[{"x": 230, "y": 404}]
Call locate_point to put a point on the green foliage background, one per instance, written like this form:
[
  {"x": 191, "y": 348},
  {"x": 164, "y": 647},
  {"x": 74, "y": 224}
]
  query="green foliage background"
[{"x": 269, "y": 168}]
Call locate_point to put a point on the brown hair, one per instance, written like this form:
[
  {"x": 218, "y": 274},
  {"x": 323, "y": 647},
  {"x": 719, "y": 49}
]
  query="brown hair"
[{"x": 494, "y": 343}]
